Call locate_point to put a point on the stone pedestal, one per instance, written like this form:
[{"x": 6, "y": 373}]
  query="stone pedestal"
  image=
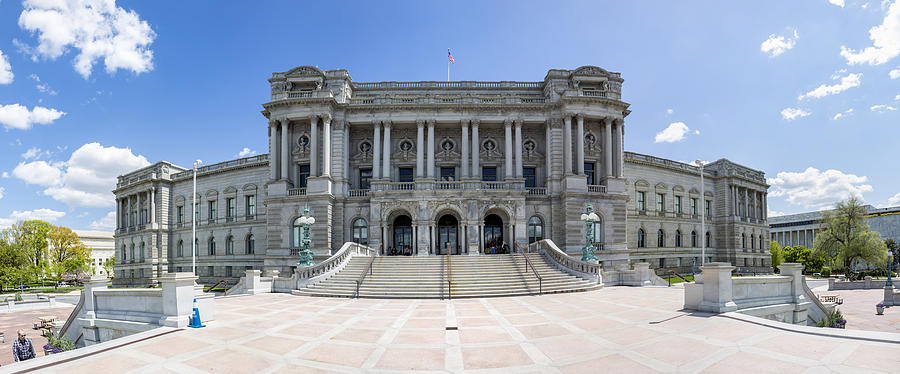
[
  {"x": 575, "y": 183},
  {"x": 278, "y": 188},
  {"x": 717, "y": 291},
  {"x": 318, "y": 185},
  {"x": 889, "y": 296},
  {"x": 178, "y": 298}
]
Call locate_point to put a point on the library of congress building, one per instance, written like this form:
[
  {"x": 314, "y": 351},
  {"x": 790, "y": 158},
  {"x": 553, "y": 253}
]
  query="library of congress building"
[{"x": 437, "y": 168}]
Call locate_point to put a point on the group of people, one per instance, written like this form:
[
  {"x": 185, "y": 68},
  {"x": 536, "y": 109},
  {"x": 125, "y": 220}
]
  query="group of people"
[
  {"x": 497, "y": 249},
  {"x": 403, "y": 250}
]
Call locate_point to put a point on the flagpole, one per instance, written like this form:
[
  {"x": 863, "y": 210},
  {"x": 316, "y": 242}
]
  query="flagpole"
[{"x": 448, "y": 70}]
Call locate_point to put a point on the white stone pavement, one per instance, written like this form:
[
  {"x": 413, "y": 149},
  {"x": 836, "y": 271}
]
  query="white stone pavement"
[{"x": 614, "y": 330}]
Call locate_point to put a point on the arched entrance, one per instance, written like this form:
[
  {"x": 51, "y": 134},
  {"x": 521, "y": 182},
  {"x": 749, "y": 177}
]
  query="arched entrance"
[
  {"x": 448, "y": 235},
  {"x": 493, "y": 234},
  {"x": 403, "y": 237}
]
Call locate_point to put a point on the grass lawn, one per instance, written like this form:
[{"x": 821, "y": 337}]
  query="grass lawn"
[{"x": 674, "y": 280}]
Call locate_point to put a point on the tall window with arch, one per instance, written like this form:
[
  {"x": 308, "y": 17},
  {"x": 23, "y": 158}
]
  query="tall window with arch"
[
  {"x": 660, "y": 238},
  {"x": 251, "y": 244},
  {"x": 361, "y": 231},
  {"x": 694, "y": 238},
  {"x": 296, "y": 231},
  {"x": 678, "y": 238},
  {"x": 212, "y": 245},
  {"x": 535, "y": 229},
  {"x": 708, "y": 240},
  {"x": 743, "y": 240},
  {"x": 180, "y": 248},
  {"x": 229, "y": 245},
  {"x": 640, "y": 237}
]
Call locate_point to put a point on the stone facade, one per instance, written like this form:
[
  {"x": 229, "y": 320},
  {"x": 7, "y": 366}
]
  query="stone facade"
[
  {"x": 801, "y": 228},
  {"x": 103, "y": 247},
  {"x": 428, "y": 168}
]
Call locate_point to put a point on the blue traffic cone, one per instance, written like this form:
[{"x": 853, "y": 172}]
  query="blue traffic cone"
[{"x": 195, "y": 319}]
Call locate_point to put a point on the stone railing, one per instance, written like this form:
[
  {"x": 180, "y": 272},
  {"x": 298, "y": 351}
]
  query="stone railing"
[
  {"x": 124, "y": 182},
  {"x": 585, "y": 270},
  {"x": 448, "y": 185},
  {"x": 776, "y": 297},
  {"x": 498, "y": 185},
  {"x": 309, "y": 275},
  {"x": 536, "y": 191},
  {"x": 320, "y": 94},
  {"x": 866, "y": 284},
  {"x": 596, "y": 188},
  {"x": 438, "y": 84},
  {"x": 358, "y": 193},
  {"x": 223, "y": 165},
  {"x": 297, "y": 191}
]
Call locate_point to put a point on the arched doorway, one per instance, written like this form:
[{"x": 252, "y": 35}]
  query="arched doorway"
[
  {"x": 403, "y": 236},
  {"x": 447, "y": 235},
  {"x": 493, "y": 234}
]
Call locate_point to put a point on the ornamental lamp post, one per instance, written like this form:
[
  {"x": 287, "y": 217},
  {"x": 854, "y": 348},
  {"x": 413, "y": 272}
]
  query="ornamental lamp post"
[
  {"x": 196, "y": 214},
  {"x": 589, "y": 217},
  {"x": 306, "y": 255},
  {"x": 889, "y": 282}
]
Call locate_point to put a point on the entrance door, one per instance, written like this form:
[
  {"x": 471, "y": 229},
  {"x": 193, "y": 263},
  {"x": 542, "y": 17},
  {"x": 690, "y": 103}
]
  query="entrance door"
[
  {"x": 447, "y": 233},
  {"x": 403, "y": 236},
  {"x": 493, "y": 234}
]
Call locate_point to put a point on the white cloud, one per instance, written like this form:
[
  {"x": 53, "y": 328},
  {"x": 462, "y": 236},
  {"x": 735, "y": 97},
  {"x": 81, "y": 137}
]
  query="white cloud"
[
  {"x": 897, "y": 97},
  {"x": 847, "y": 82},
  {"x": 6, "y": 74},
  {"x": 43, "y": 214},
  {"x": 777, "y": 44},
  {"x": 38, "y": 172},
  {"x": 894, "y": 200},
  {"x": 885, "y": 41},
  {"x": 5, "y": 175},
  {"x": 881, "y": 108},
  {"x": 774, "y": 213},
  {"x": 42, "y": 86},
  {"x": 90, "y": 175},
  {"x": 108, "y": 222},
  {"x": 36, "y": 153},
  {"x": 895, "y": 73},
  {"x": 839, "y": 3},
  {"x": 673, "y": 133},
  {"x": 2, "y": 191},
  {"x": 793, "y": 113},
  {"x": 812, "y": 188},
  {"x": 246, "y": 152},
  {"x": 842, "y": 114},
  {"x": 670, "y": 111},
  {"x": 98, "y": 29},
  {"x": 19, "y": 117}
]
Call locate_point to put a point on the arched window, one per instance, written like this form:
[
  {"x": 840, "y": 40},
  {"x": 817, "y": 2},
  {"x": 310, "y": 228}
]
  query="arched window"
[
  {"x": 678, "y": 238},
  {"x": 212, "y": 246},
  {"x": 761, "y": 242},
  {"x": 295, "y": 233},
  {"x": 251, "y": 244},
  {"x": 143, "y": 255},
  {"x": 708, "y": 240},
  {"x": 361, "y": 231},
  {"x": 132, "y": 252},
  {"x": 598, "y": 231},
  {"x": 743, "y": 240},
  {"x": 180, "y": 247},
  {"x": 752, "y": 242},
  {"x": 229, "y": 245},
  {"x": 124, "y": 253},
  {"x": 641, "y": 243},
  {"x": 660, "y": 238},
  {"x": 536, "y": 229},
  {"x": 694, "y": 239}
]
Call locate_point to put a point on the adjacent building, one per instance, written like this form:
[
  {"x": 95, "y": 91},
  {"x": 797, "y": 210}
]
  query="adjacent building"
[
  {"x": 802, "y": 228},
  {"x": 436, "y": 168}
]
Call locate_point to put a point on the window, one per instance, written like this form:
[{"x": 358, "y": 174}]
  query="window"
[
  {"x": 196, "y": 212},
  {"x": 365, "y": 178},
  {"x": 708, "y": 237},
  {"x": 640, "y": 238},
  {"x": 708, "y": 212},
  {"x": 405, "y": 175},
  {"x": 641, "y": 202},
  {"x": 229, "y": 245},
  {"x": 535, "y": 229},
  {"x": 251, "y": 244},
  {"x": 180, "y": 248},
  {"x": 660, "y": 202},
  {"x": 296, "y": 230},
  {"x": 678, "y": 204},
  {"x": 693, "y": 239},
  {"x": 678, "y": 238},
  {"x": 143, "y": 255},
  {"x": 124, "y": 254},
  {"x": 228, "y": 272},
  {"x": 745, "y": 262},
  {"x": 660, "y": 238},
  {"x": 229, "y": 207},
  {"x": 361, "y": 231},
  {"x": 693, "y": 206},
  {"x": 752, "y": 242},
  {"x": 489, "y": 174},
  {"x": 212, "y": 211},
  {"x": 662, "y": 263},
  {"x": 448, "y": 174},
  {"x": 212, "y": 246},
  {"x": 529, "y": 174},
  {"x": 251, "y": 205},
  {"x": 209, "y": 271},
  {"x": 589, "y": 173},
  {"x": 303, "y": 175},
  {"x": 678, "y": 262},
  {"x": 132, "y": 252},
  {"x": 179, "y": 214},
  {"x": 743, "y": 240}
]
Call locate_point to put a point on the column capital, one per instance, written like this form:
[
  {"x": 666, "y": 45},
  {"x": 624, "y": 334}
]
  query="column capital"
[
  {"x": 464, "y": 123},
  {"x": 376, "y": 123},
  {"x": 430, "y": 122},
  {"x": 420, "y": 122},
  {"x": 507, "y": 122},
  {"x": 476, "y": 122},
  {"x": 313, "y": 118},
  {"x": 518, "y": 122},
  {"x": 284, "y": 120},
  {"x": 273, "y": 122},
  {"x": 386, "y": 123},
  {"x": 579, "y": 116},
  {"x": 326, "y": 117},
  {"x": 568, "y": 116}
]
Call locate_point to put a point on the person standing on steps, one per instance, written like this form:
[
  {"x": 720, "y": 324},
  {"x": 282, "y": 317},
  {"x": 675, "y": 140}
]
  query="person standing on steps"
[{"x": 22, "y": 348}]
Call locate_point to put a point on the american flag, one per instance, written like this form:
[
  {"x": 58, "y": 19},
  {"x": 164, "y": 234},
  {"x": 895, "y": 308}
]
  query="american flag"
[{"x": 450, "y": 56}]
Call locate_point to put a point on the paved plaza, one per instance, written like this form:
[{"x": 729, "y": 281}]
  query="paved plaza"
[
  {"x": 615, "y": 330},
  {"x": 859, "y": 310},
  {"x": 24, "y": 319}
]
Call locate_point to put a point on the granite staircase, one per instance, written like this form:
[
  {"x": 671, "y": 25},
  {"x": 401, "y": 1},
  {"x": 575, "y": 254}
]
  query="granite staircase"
[{"x": 447, "y": 277}]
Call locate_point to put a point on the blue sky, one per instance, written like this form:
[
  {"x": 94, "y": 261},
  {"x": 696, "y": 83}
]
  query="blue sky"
[{"x": 799, "y": 89}]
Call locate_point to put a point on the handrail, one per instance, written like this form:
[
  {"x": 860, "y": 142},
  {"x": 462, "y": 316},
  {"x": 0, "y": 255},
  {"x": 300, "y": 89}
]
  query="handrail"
[
  {"x": 677, "y": 275},
  {"x": 217, "y": 283},
  {"x": 365, "y": 272},
  {"x": 333, "y": 261},
  {"x": 533, "y": 270},
  {"x": 449, "y": 276},
  {"x": 568, "y": 263}
]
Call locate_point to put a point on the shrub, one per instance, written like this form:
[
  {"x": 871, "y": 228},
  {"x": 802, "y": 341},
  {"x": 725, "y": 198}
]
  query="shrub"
[
  {"x": 834, "y": 319},
  {"x": 59, "y": 343},
  {"x": 18, "y": 296},
  {"x": 826, "y": 271}
]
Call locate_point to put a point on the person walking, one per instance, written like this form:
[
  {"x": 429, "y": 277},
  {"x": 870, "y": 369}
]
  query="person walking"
[{"x": 22, "y": 348}]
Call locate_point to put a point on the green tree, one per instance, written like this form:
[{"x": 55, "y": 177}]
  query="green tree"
[
  {"x": 892, "y": 246},
  {"x": 845, "y": 237},
  {"x": 68, "y": 255},
  {"x": 109, "y": 264},
  {"x": 777, "y": 253},
  {"x": 13, "y": 265},
  {"x": 31, "y": 237}
]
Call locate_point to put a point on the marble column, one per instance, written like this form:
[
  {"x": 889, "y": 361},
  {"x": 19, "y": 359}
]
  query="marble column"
[
  {"x": 746, "y": 203},
  {"x": 476, "y": 150},
  {"x": 567, "y": 145},
  {"x": 285, "y": 153},
  {"x": 430, "y": 146},
  {"x": 152, "y": 205},
  {"x": 313, "y": 146},
  {"x": 346, "y": 156},
  {"x": 386, "y": 150},
  {"x": 765, "y": 201},
  {"x": 140, "y": 220},
  {"x": 507, "y": 149},
  {"x": 518, "y": 148},
  {"x": 376, "y": 152},
  {"x": 579, "y": 144},
  {"x": 326, "y": 146},
  {"x": 607, "y": 147},
  {"x": 118, "y": 213},
  {"x": 620, "y": 155},
  {"x": 420, "y": 149},
  {"x": 464, "y": 159},
  {"x": 273, "y": 150}
]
